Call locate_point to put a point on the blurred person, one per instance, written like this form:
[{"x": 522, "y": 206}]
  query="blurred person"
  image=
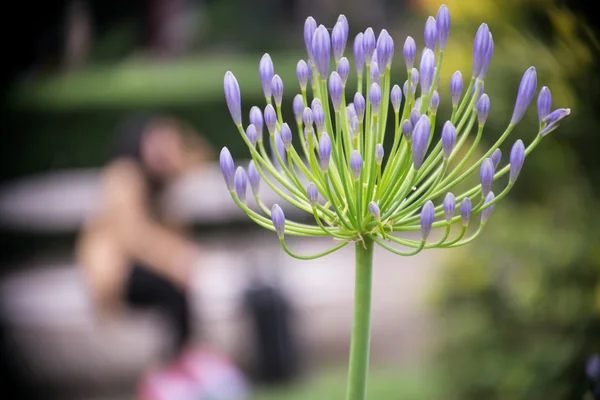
[{"x": 134, "y": 255}]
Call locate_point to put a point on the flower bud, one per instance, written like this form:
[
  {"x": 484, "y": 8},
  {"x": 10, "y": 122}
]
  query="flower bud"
[
  {"x": 277, "y": 89},
  {"x": 524, "y": 95},
  {"x": 307, "y": 118},
  {"x": 278, "y": 219},
  {"x": 483, "y": 109},
  {"x": 480, "y": 48},
  {"x": 517, "y": 158},
  {"x": 312, "y": 193},
  {"x": 298, "y": 106},
  {"x": 315, "y": 101},
  {"x": 420, "y": 140},
  {"x": 374, "y": 72},
  {"x": 374, "y": 210},
  {"x": 356, "y": 163},
  {"x": 427, "y": 217},
  {"x": 553, "y": 119},
  {"x": 303, "y": 73},
  {"x": 414, "y": 116},
  {"x": 324, "y": 151},
  {"x": 449, "y": 206},
  {"x": 434, "y": 102},
  {"x": 280, "y": 147},
  {"x": 496, "y": 157},
  {"x": 431, "y": 34},
  {"x": 448, "y": 139},
  {"x": 343, "y": 70},
  {"x": 375, "y": 97},
  {"x": 256, "y": 119},
  {"x": 407, "y": 129},
  {"x": 270, "y": 118},
  {"x": 286, "y": 135},
  {"x": 409, "y": 52},
  {"x": 544, "y": 103},
  {"x": 487, "y": 58},
  {"x": 418, "y": 103},
  {"x": 240, "y": 183},
  {"x": 414, "y": 79},
  {"x": 369, "y": 44},
  {"x": 350, "y": 111},
  {"x": 344, "y": 21},
  {"x": 266, "y": 72},
  {"x": 335, "y": 90},
  {"x": 232, "y": 97},
  {"x": 359, "y": 54},
  {"x": 227, "y": 167},
  {"x": 253, "y": 177},
  {"x": 486, "y": 212},
  {"x": 354, "y": 125},
  {"x": 396, "y": 98},
  {"x": 319, "y": 117},
  {"x": 442, "y": 22},
  {"x": 339, "y": 36},
  {"x": 385, "y": 50},
  {"x": 486, "y": 176},
  {"x": 465, "y": 210},
  {"x": 359, "y": 106},
  {"x": 379, "y": 153},
  {"x": 251, "y": 134},
  {"x": 456, "y": 87},
  {"x": 427, "y": 70},
  {"x": 310, "y": 26},
  {"x": 321, "y": 48}
]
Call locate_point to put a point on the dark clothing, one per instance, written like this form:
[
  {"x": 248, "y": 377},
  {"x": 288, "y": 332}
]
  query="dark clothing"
[{"x": 149, "y": 290}]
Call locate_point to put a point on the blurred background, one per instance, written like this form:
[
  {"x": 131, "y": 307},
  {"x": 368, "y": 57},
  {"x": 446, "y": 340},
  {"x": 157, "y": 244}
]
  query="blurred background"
[{"x": 514, "y": 315}]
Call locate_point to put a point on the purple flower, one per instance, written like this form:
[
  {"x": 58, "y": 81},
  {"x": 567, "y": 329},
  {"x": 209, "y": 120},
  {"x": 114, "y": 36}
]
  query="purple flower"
[
  {"x": 434, "y": 102},
  {"x": 517, "y": 158},
  {"x": 544, "y": 103},
  {"x": 409, "y": 52},
  {"x": 385, "y": 50},
  {"x": 303, "y": 73},
  {"x": 336, "y": 90},
  {"x": 375, "y": 97},
  {"x": 443, "y": 26},
  {"x": 407, "y": 129},
  {"x": 277, "y": 89},
  {"x": 369, "y": 44},
  {"x": 321, "y": 48},
  {"x": 256, "y": 119},
  {"x": 359, "y": 106},
  {"x": 414, "y": 116},
  {"x": 396, "y": 98},
  {"x": 312, "y": 193},
  {"x": 496, "y": 157},
  {"x": 379, "y": 153},
  {"x": 480, "y": 48},
  {"x": 343, "y": 69},
  {"x": 486, "y": 212},
  {"x": 374, "y": 210},
  {"x": 286, "y": 135},
  {"x": 456, "y": 87},
  {"x": 324, "y": 151},
  {"x": 310, "y": 26},
  {"x": 240, "y": 182},
  {"x": 487, "y": 58},
  {"x": 448, "y": 139},
  {"x": 356, "y": 163},
  {"x": 319, "y": 117},
  {"x": 524, "y": 95},
  {"x": 251, "y": 134},
  {"x": 278, "y": 219},
  {"x": 253, "y": 177},
  {"x": 227, "y": 167},
  {"x": 449, "y": 206},
  {"x": 270, "y": 118},
  {"x": 232, "y": 97},
  {"x": 266, "y": 72},
  {"x": 314, "y": 101},
  {"x": 339, "y": 36},
  {"x": 307, "y": 118},
  {"x": 465, "y": 210},
  {"x": 344, "y": 21},
  {"x": 486, "y": 176},
  {"x": 427, "y": 70},
  {"x": 553, "y": 119},
  {"x": 359, "y": 54},
  {"x": 427, "y": 217},
  {"x": 420, "y": 140},
  {"x": 483, "y": 109},
  {"x": 431, "y": 34},
  {"x": 298, "y": 106}
]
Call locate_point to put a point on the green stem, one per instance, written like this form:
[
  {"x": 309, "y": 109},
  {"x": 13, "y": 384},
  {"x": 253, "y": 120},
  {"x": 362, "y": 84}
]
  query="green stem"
[{"x": 361, "y": 325}]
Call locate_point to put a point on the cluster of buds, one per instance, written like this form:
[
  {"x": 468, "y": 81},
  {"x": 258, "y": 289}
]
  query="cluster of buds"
[{"x": 340, "y": 173}]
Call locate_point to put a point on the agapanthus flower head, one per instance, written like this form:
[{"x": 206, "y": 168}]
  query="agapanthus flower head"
[
  {"x": 551, "y": 120},
  {"x": 443, "y": 26},
  {"x": 456, "y": 87},
  {"x": 270, "y": 118},
  {"x": 375, "y": 96},
  {"x": 449, "y": 206},
  {"x": 227, "y": 167},
  {"x": 409, "y": 52},
  {"x": 434, "y": 102},
  {"x": 431, "y": 34},
  {"x": 544, "y": 103},
  {"x": 427, "y": 70},
  {"x": 277, "y": 89},
  {"x": 496, "y": 157},
  {"x": 240, "y": 183},
  {"x": 486, "y": 176},
  {"x": 420, "y": 140},
  {"x": 312, "y": 193},
  {"x": 369, "y": 44},
  {"x": 310, "y": 26},
  {"x": 266, "y": 72},
  {"x": 396, "y": 98},
  {"x": 483, "y": 109},
  {"x": 324, "y": 151},
  {"x": 465, "y": 211},
  {"x": 359, "y": 54},
  {"x": 487, "y": 211},
  {"x": 524, "y": 95},
  {"x": 251, "y": 134},
  {"x": 343, "y": 70},
  {"x": 321, "y": 50},
  {"x": 427, "y": 218},
  {"x": 359, "y": 106},
  {"x": 303, "y": 73},
  {"x": 374, "y": 210},
  {"x": 253, "y": 177},
  {"x": 339, "y": 36},
  {"x": 335, "y": 90},
  {"x": 517, "y": 157},
  {"x": 298, "y": 106},
  {"x": 385, "y": 50},
  {"x": 232, "y": 97},
  {"x": 356, "y": 163},
  {"x": 448, "y": 138}
]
